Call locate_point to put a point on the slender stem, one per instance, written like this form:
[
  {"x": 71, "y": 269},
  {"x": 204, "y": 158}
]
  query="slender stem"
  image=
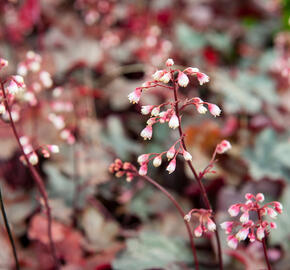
[
  {"x": 38, "y": 180},
  {"x": 196, "y": 176},
  {"x": 264, "y": 245},
  {"x": 181, "y": 212},
  {"x": 9, "y": 231}
]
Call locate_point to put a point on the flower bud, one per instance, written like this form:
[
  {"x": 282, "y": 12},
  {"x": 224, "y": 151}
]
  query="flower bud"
[{"x": 157, "y": 161}]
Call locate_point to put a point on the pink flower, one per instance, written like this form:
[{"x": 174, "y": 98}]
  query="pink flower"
[
  {"x": 3, "y": 63},
  {"x": 171, "y": 167},
  {"x": 211, "y": 225},
  {"x": 146, "y": 133},
  {"x": 242, "y": 234},
  {"x": 157, "y": 161},
  {"x": 12, "y": 88},
  {"x": 260, "y": 197},
  {"x": 191, "y": 71},
  {"x": 223, "y": 147},
  {"x": 187, "y": 217},
  {"x": 232, "y": 241},
  {"x": 248, "y": 196},
  {"x": 202, "y": 78},
  {"x": 171, "y": 152},
  {"x": 143, "y": 158},
  {"x": 165, "y": 78},
  {"x": 214, "y": 109},
  {"x": 155, "y": 111},
  {"x": 53, "y": 148},
  {"x": 143, "y": 169},
  {"x": 158, "y": 74},
  {"x": 19, "y": 80},
  {"x": 198, "y": 231},
  {"x": 135, "y": 96},
  {"x": 260, "y": 233},
  {"x": 169, "y": 62},
  {"x": 234, "y": 210},
  {"x": 186, "y": 155},
  {"x": 201, "y": 109},
  {"x": 146, "y": 109},
  {"x": 227, "y": 226},
  {"x": 273, "y": 225},
  {"x": 182, "y": 79},
  {"x": 173, "y": 122},
  {"x": 244, "y": 218},
  {"x": 272, "y": 213},
  {"x": 278, "y": 207}
]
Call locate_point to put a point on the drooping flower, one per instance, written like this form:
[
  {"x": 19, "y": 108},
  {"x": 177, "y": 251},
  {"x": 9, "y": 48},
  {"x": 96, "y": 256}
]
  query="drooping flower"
[
  {"x": 157, "y": 161},
  {"x": 171, "y": 152},
  {"x": 214, "y": 109},
  {"x": 143, "y": 169},
  {"x": 202, "y": 78},
  {"x": 146, "y": 109},
  {"x": 146, "y": 133},
  {"x": 169, "y": 62},
  {"x": 135, "y": 96},
  {"x": 171, "y": 167},
  {"x": 182, "y": 79},
  {"x": 223, "y": 147},
  {"x": 186, "y": 155},
  {"x": 173, "y": 122}
]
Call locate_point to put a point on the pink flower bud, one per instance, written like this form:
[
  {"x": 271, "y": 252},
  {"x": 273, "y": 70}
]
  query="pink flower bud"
[
  {"x": 244, "y": 218},
  {"x": 157, "y": 161},
  {"x": 249, "y": 196},
  {"x": 146, "y": 133},
  {"x": 33, "y": 158},
  {"x": 260, "y": 233},
  {"x": 165, "y": 78},
  {"x": 182, "y": 79},
  {"x": 242, "y": 234},
  {"x": 12, "y": 88},
  {"x": 227, "y": 226},
  {"x": 187, "y": 217},
  {"x": 198, "y": 231},
  {"x": 146, "y": 109},
  {"x": 135, "y": 96},
  {"x": 143, "y": 169},
  {"x": 260, "y": 197},
  {"x": 186, "y": 155},
  {"x": 234, "y": 210},
  {"x": 2, "y": 108},
  {"x": 158, "y": 74},
  {"x": 252, "y": 237},
  {"x": 53, "y": 148},
  {"x": 201, "y": 109},
  {"x": 173, "y": 122},
  {"x": 232, "y": 241},
  {"x": 170, "y": 153},
  {"x": 169, "y": 62},
  {"x": 272, "y": 213},
  {"x": 171, "y": 167},
  {"x": 142, "y": 158},
  {"x": 3, "y": 63},
  {"x": 214, "y": 109},
  {"x": 211, "y": 225},
  {"x": 191, "y": 71},
  {"x": 273, "y": 225},
  {"x": 155, "y": 111},
  {"x": 278, "y": 207},
  {"x": 223, "y": 147},
  {"x": 202, "y": 78}
]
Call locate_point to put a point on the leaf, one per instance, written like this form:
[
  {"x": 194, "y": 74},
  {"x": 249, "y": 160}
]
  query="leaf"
[
  {"x": 151, "y": 250},
  {"x": 269, "y": 157},
  {"x": 246, "y": 92},
  {"x": 116, "y": 138},
  {"x": 188, "y": 38}
]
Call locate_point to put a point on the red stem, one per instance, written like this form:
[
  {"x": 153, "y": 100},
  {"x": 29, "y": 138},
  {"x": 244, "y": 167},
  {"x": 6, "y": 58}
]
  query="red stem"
[
  {"x": 38, "y": 180},
  {"x": 196, "y": 176},
  {"x": 181, "y": 212},
  {"x": 264, "y": 244}
]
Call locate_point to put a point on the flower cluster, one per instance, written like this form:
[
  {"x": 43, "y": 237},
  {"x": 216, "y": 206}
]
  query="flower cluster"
[
  {"x": 248, "y": 228},
  {"x": 120, "y": 169},
  {"x": 205, "y": 223},
  {"x": 31, "y": 153}
]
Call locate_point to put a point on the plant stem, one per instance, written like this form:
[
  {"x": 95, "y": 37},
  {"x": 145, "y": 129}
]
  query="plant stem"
[
  {"x": 181, "y": 212},
  {"x": 38, "y": 180},
  {"x": 264, "y": 245},
  {"x": 17, "y": 267},
  {"x": 196, "y": 176}
]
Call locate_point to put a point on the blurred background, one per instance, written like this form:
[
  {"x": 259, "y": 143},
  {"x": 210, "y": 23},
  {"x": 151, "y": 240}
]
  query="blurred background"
[{"x": 89, "y": 55}]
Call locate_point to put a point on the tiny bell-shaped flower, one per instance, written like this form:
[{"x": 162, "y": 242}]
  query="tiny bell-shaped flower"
[
  {"x": 3, "y": 63},
  {"x": 272, "y": 213},
  {"x": 214, "y": 109},
  {"x": 232, "y": 241},
  {"x": 155, "y": 111},
  {"x": 143, "y": 169},
  {"x": 198, "y": 231},
  {"x": 170, "y": 153},
  {"x": 53, "y": 148},
  {"x": 146, "y": 109},
  {"x": 202, "y": 78},
  {"x": 33, "y": 158},
  {"x": 165, "y": 78},
  {"x": 182, "y": 79},
  {"x": 157, "y": 75},
  {"x": 244, "y": 218},
  {"x": 186, "y": 155},
  {"x": 260, "y": 197},
  {"x": 223, "y": 147},
  {"x": 173, "y": 122},
  {"x": 171, "y": 167},
  {"x": 169, "y": 62},
  {"x": 157, "y": 161},
  {"x": 242, "y": 234},
  {"x": 146, "y": 133},
  {"x": 260, "y": 233},
  {"x": 201, "y": 109},
  {"x": 211, "y": 225},
  {"x": 227, "y": 226},
  {"x": 187, "y": 217},
  {"x": 191, "y": 71},
  {"x": 278, "y": 207},
  {"x": 134, "y": 97},
  {"x": 142, "y": 158},
  {"x": 234, "y": 210}
]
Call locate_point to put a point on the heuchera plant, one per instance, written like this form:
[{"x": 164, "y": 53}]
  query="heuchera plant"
[
  {"x": 13, "y": 93},
  {"x": 169, "y": 112},
  {"x": 248, "y": 228}
]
